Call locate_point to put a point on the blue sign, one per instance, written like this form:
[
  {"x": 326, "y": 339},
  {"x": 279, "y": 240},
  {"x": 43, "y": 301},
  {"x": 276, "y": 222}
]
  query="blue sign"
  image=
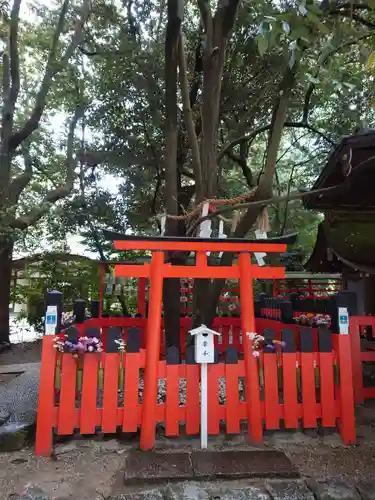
[
  {"x": 51, "y": 319},
  {"x": 343, "y": 320}
]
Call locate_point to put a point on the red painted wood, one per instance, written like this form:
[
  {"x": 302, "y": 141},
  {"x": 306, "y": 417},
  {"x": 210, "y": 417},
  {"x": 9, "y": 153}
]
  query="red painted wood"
[
  {"x": 255, "y": 427},
  {"x": 271, "y": 392},
  {"x": 172, "y": 401},
  {"x": 67, "y": 405},
  {"x": 327, "y": 389},
  {"x": 192, "y": 400},
  {"x": 347, "y": 418},
  {"x": 89, "y": 394},
  {"x": 131, "y": 417},
  {"x": 46, "y": 403},
  {"x": 111, "y": 364},
  {"x": 289, "y": 361},
  {"x": 308, "y": 390},
  {"x": 214, "y": 372},
  {"x": 232, "y": 406}
]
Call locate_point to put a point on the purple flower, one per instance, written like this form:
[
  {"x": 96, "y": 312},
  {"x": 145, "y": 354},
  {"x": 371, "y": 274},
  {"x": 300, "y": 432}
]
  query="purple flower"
[{"x": 80, "y": 347}]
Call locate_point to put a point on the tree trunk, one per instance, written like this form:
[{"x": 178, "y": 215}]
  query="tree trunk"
[{"x": 6, "y": 249}]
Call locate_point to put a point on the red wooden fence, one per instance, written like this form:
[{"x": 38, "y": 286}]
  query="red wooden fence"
[
  {"x": 292, "y": 387},
  {"x": 230, "y": 329},
  {"x": 358, "y": 343}
]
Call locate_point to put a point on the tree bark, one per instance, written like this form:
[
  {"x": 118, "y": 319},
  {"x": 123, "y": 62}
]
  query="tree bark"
[
  {"x": 6, "y": 248},
  {"x": 264, "y": 190},
  {"x": 171, "y": 288}
]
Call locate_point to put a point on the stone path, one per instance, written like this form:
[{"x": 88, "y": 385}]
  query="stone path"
[
  {"x": 266, "y": 490},
  {"x": 18, "y": 405}
]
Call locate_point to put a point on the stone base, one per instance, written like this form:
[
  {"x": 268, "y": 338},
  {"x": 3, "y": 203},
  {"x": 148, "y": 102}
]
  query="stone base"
[{"x": 153, "y": 467}]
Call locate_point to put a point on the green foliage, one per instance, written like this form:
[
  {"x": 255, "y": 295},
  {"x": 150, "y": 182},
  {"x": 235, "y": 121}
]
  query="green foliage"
[
  {"x": 120, "y": 73},
  {"x": 75, "y": 279}
]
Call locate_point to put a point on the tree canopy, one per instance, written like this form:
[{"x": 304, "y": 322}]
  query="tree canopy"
[{"x": 117, "y": 112}]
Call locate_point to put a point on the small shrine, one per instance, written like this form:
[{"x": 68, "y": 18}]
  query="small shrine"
[{"x": 346, "y": 238}]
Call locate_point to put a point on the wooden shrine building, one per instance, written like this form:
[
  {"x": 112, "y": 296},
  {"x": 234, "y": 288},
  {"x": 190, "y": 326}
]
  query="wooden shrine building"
[{"x": 346, "y": 237}]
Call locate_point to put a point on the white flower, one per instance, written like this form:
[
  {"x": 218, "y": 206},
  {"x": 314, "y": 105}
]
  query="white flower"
[
  {"x": 90, "y": 348},
  {"x": 256, "y": 354}
]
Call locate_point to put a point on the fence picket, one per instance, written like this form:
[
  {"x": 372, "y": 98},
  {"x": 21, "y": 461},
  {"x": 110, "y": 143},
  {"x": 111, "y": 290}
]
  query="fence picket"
[
  {"x": 66, "y": 419},
  {"x": 89, "y": 394},
  {"x": 111, "y": 364}
]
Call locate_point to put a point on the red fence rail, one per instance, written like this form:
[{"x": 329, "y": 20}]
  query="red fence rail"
[
  {"x": 312, "y": 387},
  {"x": 361, "y": 353},
  {"x": 229, "y": 328}
]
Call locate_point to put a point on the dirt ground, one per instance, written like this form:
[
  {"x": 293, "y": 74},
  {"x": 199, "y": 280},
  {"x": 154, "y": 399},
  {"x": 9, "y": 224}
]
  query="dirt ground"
[
  {"x": 86, "y": 469},
  {"x": 26, "y": 352}
]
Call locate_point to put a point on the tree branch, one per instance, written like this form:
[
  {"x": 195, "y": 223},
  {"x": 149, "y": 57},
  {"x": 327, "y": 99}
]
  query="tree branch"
[
  {"x": 29, "y": 219},
  {"x": 102, "y": 52},
  {"x": 206, "y": 15},
  {"x": 184, "y": 84},
  {"x": 13, "y": 52},
  {"x": 355, "y": 17},
  {"x": 277, "y": 127},
  {"x": 19, "y": 183},
  {"x": 262, "y": 203},
  {"x": 264, "y": 128},
  {"x": 242, "y": 162},
  {"x": 321, "y": 61},
  {"x": 226, "y": 10},
  {"x": 52, "y": 69}
]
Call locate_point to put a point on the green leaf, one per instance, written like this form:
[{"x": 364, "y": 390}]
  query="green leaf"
[
  {"x": 262, "y": 43},
  {"x": 370, "y": 61},
  {"x": 312, "y": 79},
  {"x": 315, "y": 19}
]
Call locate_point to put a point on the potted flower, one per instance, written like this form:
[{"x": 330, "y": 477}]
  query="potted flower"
[{"x": 81, "y": 346}]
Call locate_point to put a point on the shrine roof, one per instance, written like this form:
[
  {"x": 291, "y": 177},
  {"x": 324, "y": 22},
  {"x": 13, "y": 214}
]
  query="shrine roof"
[
  {"x": 331, "y": 256},
  {"x": 351, "y": 167}
]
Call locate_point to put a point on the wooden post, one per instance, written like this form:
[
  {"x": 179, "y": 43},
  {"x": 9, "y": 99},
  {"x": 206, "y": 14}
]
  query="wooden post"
[
  {"x": 255, "y": 428},
  {"x": 347, "y": 417},
  {"x": 153, "y": 336},
  {"x": 45, "y": 419}
]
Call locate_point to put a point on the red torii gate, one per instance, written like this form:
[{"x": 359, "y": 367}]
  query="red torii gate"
[{"x": 158, "y": 269}]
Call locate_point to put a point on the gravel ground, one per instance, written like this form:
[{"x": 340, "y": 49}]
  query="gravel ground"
[
  {"x": 92, "y": 468},
  {"x": 25, "y": 352}
]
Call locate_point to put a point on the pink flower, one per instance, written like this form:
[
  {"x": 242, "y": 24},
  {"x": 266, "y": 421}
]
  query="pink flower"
[{"x": 256, "y": 354}]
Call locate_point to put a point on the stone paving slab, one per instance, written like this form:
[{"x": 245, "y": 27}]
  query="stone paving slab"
[
  {"x": 154, "y": 467},
  {"x": 151, "y": 467},
  {"x": 242, "y": 490},
  {"x": 19, "y": 367},
  {"x": 333, "y": 490},
  {"x": 366, "y": 490},
  {"x": 289, "y": 490},
  {"x": 199, "y": 491},
  {"x": 237, "y": 464}
]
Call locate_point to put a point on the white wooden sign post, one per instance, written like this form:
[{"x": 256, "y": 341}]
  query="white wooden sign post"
[
  {"x": 50, "y": 322},
  {"x": 343, "y": 320},
  {"x": 204, "y": 354}
]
